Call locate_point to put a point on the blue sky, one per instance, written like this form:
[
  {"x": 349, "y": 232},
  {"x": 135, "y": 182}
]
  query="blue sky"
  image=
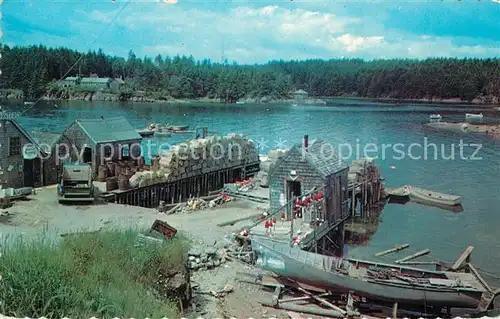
[{"x": 254, "y": 31}]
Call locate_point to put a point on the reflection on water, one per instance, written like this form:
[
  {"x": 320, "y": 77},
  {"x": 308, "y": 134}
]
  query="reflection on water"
[{"x": 446, "y": 233}]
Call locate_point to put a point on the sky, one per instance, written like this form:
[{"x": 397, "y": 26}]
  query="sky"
[{"x": 256, "y": 31}]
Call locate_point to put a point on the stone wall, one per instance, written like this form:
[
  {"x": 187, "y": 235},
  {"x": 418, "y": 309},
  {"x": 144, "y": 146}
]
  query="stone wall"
[{"x": 197, "y": 157}]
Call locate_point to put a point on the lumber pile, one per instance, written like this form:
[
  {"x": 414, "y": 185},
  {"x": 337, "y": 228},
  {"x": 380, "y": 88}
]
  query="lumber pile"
[
  {"x": 196, "y": 157},
  {"x": 194, "y": 204}
]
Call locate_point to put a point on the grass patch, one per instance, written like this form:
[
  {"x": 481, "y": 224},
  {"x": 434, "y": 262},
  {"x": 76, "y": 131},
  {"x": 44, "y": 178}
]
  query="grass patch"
[{"x": 106, "y": 275}]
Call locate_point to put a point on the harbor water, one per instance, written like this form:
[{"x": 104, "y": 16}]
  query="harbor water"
[{"x": 407, "y": 152}]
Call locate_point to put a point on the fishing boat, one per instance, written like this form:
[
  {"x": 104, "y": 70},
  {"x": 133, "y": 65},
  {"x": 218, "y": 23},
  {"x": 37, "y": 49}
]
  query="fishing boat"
[
  {"x": 145, "y": 133},
  {"x": 176, "y": 128},
  {"x": 376, "y": 281},
  {"x": 431, "y": 197},
  {"x": 29, "y": 103},
  {"x": 400, "y": 193},
  {"x": 162, "y": 133},
  {"x": 435, "y": 117},
  {"x": 473, "y": 116}
]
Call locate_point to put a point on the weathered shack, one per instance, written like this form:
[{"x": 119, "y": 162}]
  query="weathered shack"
[
  {"x": 303, "y": 168},
  {"x": 47, "y": 142},
  {"x": 21, "y": 159},
  {"x": 98, "y": 141}
]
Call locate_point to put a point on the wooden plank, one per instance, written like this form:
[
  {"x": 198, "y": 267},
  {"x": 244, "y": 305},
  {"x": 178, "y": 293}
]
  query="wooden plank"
[
  {"x": 463, "y": 257},
  {"x": 419, "y": 263},
  {"x": 478, "y": 277},
  {"x": 392, "y": 250},
  {"x": 323, "y": 301},
  {"x": 326, "y": 294},
  {"x": 305, "y": 309},
  {"x": 415, "y": 255}
]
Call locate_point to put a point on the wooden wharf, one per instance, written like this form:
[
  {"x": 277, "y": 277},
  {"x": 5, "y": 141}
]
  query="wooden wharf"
[{"x": 183, "y": 189}]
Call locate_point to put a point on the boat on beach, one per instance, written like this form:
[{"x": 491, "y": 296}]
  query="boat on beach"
[
  {"x": 470, "y": 116},
  {"x": 376, "y": 281}
]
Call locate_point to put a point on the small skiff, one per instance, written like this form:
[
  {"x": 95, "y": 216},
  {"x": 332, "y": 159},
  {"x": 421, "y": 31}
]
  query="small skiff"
[
  {"x": 431, "y": 197},
  {"x": 175, "y": 128},
  {"x": 436, "y": 117},
  {"x": 473, "y": 116}
]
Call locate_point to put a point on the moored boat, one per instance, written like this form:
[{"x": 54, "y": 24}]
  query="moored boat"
[
  {"x": 376, "y": 281},
  {"x": 431, "y": 197},
  {"x": 171, "y": 127},
  {"x": 473, "y": 116}
]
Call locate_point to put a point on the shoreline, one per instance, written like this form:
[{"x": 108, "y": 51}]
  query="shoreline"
[{"x": 12, "y": 94}]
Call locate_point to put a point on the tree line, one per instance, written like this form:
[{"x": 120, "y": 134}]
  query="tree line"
[{"x": 33, "y": 68}]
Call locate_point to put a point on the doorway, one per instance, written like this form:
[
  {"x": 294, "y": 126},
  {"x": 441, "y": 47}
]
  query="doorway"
[
  {"x": 32, "y": 172},
  {"x": 87, "y": 155},
  {"x": 293, "y": 188}
]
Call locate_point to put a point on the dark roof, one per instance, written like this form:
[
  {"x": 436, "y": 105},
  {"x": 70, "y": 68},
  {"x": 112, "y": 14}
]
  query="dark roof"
[
  {"x": 321, "y": 156},
  {"x": 46, "y": 140},
  {"x": 25, "y": 133},
  {"x": 324, "y": 158},
  {"x": 300, "y": 92},
  {"x": 108, "y": 130},
  {"x": 95, "y": 80}
]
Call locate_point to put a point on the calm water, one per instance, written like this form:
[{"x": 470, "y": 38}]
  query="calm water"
[{"x": 447, "y": 234}]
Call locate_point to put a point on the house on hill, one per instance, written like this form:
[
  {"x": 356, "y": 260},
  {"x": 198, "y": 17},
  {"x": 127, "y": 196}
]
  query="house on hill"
[
  {"x": 300, "y": 95},
  {"x": 70, "y": 81},
  {"x": 95, "y": 83}
]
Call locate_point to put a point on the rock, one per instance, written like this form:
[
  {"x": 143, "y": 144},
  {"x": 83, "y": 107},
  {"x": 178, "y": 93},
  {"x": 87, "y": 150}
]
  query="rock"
[
  {"x": 204, "y": 258},
  {"x": 192, "y": 258},
  {"x": 194, "y": 252},
  {"x": 217, "y": 263},
  {"x": 211, "y": 251}
]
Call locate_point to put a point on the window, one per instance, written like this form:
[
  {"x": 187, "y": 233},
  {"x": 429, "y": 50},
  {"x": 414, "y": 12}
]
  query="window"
[
  {"x": 125, "y": 151},
  {"x": 14, "y": 146},
  {"x": 107, "y": 151}
]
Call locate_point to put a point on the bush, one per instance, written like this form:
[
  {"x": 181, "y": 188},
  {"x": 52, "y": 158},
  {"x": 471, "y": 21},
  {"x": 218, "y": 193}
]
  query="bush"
[{"x": 105, "y": 274}]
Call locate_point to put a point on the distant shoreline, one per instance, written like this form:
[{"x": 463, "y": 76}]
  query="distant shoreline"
[{"x": 12, "y": 94}]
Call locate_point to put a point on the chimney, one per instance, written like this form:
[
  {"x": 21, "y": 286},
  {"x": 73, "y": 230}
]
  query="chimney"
[{"x": 305, "y": 143}]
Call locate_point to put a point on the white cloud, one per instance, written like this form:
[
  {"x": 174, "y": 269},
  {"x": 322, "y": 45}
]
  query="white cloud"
[
  {"x": 355, "y": 43},
  {"x": 257, "y": 34}
]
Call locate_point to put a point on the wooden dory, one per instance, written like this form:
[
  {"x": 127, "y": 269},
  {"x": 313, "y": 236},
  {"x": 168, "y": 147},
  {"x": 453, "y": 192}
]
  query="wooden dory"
[
  {"x": 384, "y": 282},
  {"x": 431, "y": 197}
]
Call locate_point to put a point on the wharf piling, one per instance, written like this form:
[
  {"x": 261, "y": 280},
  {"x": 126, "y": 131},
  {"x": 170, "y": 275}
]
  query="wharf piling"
[
  {"x": 180, "y": 190},
  {"x": 366, "y": 189}
]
